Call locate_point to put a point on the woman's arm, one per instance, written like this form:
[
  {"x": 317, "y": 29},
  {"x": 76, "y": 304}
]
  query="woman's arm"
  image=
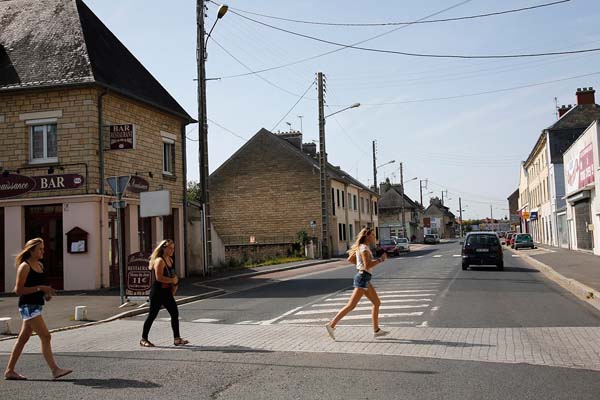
[
  {"x": 352, "y": 258},
  {"x": 368, "y": 262},
  {"x": 21, "y": 289},
  {"x": 159, "y": 270}
]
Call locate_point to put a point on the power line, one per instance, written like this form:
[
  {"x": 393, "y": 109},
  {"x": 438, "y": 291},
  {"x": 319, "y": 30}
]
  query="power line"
[
  {"x": 341, "y": 48},
  {"x": 515, "y": 10},
  {"x": 294, "y": 106},
  {"x": 227, "y": 130},
  {"x": 410, "y": 54}
]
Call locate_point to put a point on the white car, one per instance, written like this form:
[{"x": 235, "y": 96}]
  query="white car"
[{"x": 402, "y": 244}]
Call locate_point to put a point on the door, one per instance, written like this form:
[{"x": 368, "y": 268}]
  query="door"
[
  {"x": 145, "y": 233},
  {"x": 2, "y": 269},
  {"x": 583, "y": 218},
  {"x": 46, "y": 222},
  {"x": 113, "y": 248}
]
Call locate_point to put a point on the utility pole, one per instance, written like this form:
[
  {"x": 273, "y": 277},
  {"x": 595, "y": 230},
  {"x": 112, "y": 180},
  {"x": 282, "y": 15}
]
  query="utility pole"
[
  {"x": 460, "y": 216},
  {"x": 203, "y": 138},
  {"x": 375, "y": 169},
  {"x": 491, "y": 213},
  {"x": 402, "y": 190},
  {"x": 421, "y": 190},
  {"x": 323, "y": 170},
  {"x": 443, "y": 195},
  {"x": 300, "y": 117}
]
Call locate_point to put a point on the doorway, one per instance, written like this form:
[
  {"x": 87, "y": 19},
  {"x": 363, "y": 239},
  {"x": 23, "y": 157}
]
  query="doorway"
[
  {"x": 113, "y": 248},
  {"x": 583, "y": 218},
  {"x": 46, "y": 222}
]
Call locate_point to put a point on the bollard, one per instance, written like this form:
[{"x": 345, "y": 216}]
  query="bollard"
[
  {"x": 5, "y": 326},
  {"x": 80, "y": 313}
]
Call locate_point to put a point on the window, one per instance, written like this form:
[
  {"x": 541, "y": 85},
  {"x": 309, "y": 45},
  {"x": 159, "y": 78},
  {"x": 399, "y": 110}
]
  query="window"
[
  {"x": 168, "y": 157},
  {"x": 362, "y": 204},
  {"x": 375, "y": 207},
  {"x": 351, "y": 231},
  {"x": 340, "y": 235},
  {"x": 338, "y": 197},
  {"x": 344, "y": 231},
  {"x": 333, "y": 200},
  {"x": 343, "y": 199},
  {"x": 355, "y": 203},
  {"x": 43, "y": 143}
]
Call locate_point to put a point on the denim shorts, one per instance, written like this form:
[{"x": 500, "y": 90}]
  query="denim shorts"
[
  {"x": 29, "y": 311},
  {"x": 361, "y": 280}
]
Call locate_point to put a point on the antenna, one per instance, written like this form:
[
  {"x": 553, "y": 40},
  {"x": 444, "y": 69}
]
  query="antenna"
[{"x": 556, "y": 107}]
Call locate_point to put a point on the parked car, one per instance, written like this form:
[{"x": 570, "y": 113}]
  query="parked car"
[
  {"x": 402, "y": 244},
  {"x": 482, "y": 248},
  {"x": 430, "y": 239},
  {"x": 522, "y": 240},
  {"x": 501, "y": 234},
  {"x": 509, "y": 236},
  {"x": 388, "y": 246}
]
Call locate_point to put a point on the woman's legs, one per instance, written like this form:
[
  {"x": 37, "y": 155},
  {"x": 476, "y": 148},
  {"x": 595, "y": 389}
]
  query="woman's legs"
[
  {"x": 155, "y": 303},
  {"x": 24, "y": 336},
  {"x": 372, "y": 295},
  {"x": 354, "y": 299},
  {"x": 38, "y": 325},
  {"x": 171, "y": 306}
]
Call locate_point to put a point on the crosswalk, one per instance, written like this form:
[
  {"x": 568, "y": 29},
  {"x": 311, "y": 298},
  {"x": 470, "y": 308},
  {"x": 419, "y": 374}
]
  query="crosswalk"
[{"x": 406, "y": 300}]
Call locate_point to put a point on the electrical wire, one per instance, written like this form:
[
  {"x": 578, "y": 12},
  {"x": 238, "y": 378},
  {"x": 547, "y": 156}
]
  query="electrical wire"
[
  {"x": 514, "y": 10},
  {"x": 424, "y": 55},
  {"x": 227, "y": 130},
  {"x": 341, "y": 48},
  {"x": 294, "y": 106}
]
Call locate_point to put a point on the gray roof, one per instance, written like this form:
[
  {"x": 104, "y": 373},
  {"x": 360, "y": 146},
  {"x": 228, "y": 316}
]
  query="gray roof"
[
  {"x": 392, "y": 198},
  {"x": 55, "y": 43}
]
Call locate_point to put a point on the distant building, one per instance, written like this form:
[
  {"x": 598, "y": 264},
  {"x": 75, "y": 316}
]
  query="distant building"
[
  {"x": 513, "y": 211},
  {"x": 440, "y": 220},
  {"x": 391, "y": 208}
]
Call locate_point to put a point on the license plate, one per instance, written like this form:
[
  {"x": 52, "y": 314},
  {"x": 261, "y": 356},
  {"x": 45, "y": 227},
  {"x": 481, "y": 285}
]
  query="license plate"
[{"x": 482, "y": 250}]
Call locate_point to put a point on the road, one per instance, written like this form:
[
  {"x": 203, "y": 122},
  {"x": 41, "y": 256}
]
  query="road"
[{"x": 455, "y": 334}]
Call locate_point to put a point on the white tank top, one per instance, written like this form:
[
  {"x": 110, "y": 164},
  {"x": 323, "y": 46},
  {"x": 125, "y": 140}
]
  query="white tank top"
[{"x": 359, "y": 260}]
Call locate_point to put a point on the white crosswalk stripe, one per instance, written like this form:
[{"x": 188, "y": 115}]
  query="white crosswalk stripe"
[{"x": 335, "y": 310}]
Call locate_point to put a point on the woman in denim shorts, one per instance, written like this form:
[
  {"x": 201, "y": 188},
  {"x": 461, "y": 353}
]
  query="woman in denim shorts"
[
  {"x": 32, "y": 288},
  {"x": 362, "y": 256}
]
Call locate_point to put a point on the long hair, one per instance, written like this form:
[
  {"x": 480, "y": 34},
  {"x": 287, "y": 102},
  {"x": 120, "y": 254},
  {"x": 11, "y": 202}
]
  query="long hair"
[
  {"x": 25, "y": 253},
  {"x": 159, "y": 251},
  {"x": 361, "y": 238}
]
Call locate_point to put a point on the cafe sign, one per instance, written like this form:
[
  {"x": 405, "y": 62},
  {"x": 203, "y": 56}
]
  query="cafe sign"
[
  {"x": 139, "y": 277},
  {"x": 14, "y": 185},
  {"x": 137, "y": 184},
  {"x": 122, "y": 137}
]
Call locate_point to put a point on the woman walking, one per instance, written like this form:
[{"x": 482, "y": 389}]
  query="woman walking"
[
  {"x": 32, "y": 288},
  {"x": 163, "y": 291},
  {"x": 362, "y": 256}
]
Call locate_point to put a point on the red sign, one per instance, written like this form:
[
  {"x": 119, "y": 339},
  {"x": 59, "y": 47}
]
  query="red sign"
[
  {"x": 586, "y": 166},
  {"x": 139, "y": 277},
  {"x": 57, "y": 182},
  {"x": 122, "y": 137},
  {"x": 15, "y": 185},
  {"x": 137, "y": 184},
  {"x": 427, "y": 222}
]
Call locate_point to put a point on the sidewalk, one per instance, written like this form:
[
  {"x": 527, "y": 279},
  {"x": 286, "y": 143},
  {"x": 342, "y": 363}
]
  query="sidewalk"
[
  {"x": 104, "y": 304},
  {"x": 576, "y": 271}
]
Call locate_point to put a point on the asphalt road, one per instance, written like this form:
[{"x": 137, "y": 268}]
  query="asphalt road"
[{"x": 423, "y": 289}]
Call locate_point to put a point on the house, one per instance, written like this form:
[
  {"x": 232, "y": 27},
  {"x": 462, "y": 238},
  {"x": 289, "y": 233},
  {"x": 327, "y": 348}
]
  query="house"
[
  {"x": 392, "y": 206},
  {"x": 513, "y": 211},
  {"x": 269, "y": 191},
  {"x": 582, "y": 180},
  {"x": 76, "y": 107},
  {"x": 439, "y": 220},
  {"x": 544, "y": 170}
]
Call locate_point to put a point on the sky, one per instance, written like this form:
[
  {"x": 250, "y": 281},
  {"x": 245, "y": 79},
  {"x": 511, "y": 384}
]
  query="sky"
[{"x": 461, "y": 126}]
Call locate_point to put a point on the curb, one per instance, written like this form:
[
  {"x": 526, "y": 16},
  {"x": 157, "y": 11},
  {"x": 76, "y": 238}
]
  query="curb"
[
  {"x": 582, "y": 292},
  {"x": 130, "y": 313}
]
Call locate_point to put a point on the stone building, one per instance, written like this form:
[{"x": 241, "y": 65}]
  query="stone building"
[
  {"x": 439, "y": 220},
  {"x": 391, "y": 208},
  {"x": 268, "y": 191},
  {"x": 76, "y": 107}
]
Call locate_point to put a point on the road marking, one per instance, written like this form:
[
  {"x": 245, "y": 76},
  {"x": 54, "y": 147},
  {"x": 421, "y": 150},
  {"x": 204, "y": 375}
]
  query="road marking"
[
  {"x": 419, "y": 257},
  {"x": 514, "y": 255},
  {"x": 350, "y": 317},
  {"x": 334, "y": 310},
  {"x": 271, "y": 321},
  {"x": 437, "y": 256},
  {"x": 248, "y": 323},
  {"x": 456, "y": 255},
  {"x": 206, "y": 320},
  {"x": 168, "y": 319},
  {"x": 368, "y": 302},
  {"x": 405, "y": 291},
  {"x": 423, "y": 324}
]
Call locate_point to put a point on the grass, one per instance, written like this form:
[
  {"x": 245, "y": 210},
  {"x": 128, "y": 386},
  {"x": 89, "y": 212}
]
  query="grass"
[{"x": 274, "y": 261}]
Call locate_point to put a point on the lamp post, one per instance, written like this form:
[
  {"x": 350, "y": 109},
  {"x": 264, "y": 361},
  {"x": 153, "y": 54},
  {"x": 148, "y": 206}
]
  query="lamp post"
[
  {"x": 203, "y": 129},
  {"x": 402, "y": 194},
  {"x": 323, "y": 164},
  {"x": 375, "y": 168}
]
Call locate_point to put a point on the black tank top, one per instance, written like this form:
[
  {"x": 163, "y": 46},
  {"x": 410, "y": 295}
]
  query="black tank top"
[
  {"x": 168, "y": 272},
  {"x": 33, "y": 279}
]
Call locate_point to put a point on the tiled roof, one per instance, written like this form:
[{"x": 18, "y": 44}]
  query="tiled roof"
[{"x": 52, "y": 43}]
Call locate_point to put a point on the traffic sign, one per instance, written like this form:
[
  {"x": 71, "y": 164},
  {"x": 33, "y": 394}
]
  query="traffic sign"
[
  {"x": 119, "y": 184},
  {"x": 525, "y": 215},
  {"x": 119, "y": 204}
]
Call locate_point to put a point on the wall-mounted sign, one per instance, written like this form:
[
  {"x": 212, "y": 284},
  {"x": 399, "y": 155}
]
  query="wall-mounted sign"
[
  {"x": 525, "y": 215},
  {"x": 533, "y": 216},
  {"x": 579, "y": 164},
  {"x": 137, "y": 184},
  {"x": 122, "y": 137},
  {"x": 15, "y": 185}
]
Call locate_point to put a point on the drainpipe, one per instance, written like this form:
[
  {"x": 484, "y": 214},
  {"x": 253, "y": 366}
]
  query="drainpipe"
[
  {"x": 101, "y": 154},
  {"x": 346, "y": 212},
  {"x": 185, "y": 202}
]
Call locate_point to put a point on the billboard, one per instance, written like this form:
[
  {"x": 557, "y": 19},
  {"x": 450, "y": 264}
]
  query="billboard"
[{"x": 579, "y": 161}]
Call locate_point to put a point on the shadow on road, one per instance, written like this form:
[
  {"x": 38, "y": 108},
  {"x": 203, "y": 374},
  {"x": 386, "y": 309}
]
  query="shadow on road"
[
  {"x": 112, "y": 383},
  {"x": 420, "y": 342}
]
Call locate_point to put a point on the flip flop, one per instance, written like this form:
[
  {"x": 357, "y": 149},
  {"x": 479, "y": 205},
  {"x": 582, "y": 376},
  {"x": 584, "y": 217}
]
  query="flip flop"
[
  {"x": 180, "y": 342},
  {"x": 146, "y": 343},
  {"x": 16, "y": 377},
  {"x": 62, "y": 373}
]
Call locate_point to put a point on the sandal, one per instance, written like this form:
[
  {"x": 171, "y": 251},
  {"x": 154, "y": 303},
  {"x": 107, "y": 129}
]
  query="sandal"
[
  {"x": 180, "y": 342},
  {"x": 14, "y": 377},
  {"x": 59, "y": 373},
  {"x": 146, "y": 343}
]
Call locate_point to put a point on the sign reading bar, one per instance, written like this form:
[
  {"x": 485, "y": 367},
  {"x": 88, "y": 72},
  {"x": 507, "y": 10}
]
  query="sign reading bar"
[
  {"x": 15, "y": 185},
  {"x": 139, "y": 277},
  {"x": 122, "y": 137},
  {"x": 57, "y": 182}
]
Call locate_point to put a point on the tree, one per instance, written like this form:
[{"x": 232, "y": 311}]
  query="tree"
[{"x": 193, "y": 191}]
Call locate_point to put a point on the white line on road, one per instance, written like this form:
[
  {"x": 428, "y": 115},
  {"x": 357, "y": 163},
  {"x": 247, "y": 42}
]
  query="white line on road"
[
  {"x": 271, "y": 321},
  {"x": 437, "y": 256},
  {"x": 334, "y": 310},
  {"x": 206, "y": 320},
  {"x": 423, "y": 324},
  {"x": 389, "y": 296},
  {"x": 368, "y": 302},
  {"x": 350, "y": 317},
  {"x": 456, "y": 255}
]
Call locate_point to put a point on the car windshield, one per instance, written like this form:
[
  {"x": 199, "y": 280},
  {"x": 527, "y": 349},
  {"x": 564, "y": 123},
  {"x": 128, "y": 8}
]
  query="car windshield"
[
  {"x": 387, "y": 242},
  {"x": 524, "y": 238},
  {"x": 430, "y": 236},
  {"x": 402, "y": 240},
  {"x": 482, "y": 240}
]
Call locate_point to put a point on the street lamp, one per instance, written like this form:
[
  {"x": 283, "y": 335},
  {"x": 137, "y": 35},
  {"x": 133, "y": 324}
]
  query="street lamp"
[
  {"x": 203, "y": 130},
  {"x": 389, "y": 162},
  {"x": 355, "y": 105}
]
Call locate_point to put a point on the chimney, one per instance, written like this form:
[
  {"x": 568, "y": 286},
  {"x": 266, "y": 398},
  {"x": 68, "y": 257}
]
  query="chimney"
[
  {"x": 310, "y": 148},
  {"x": 294, "y": 137},
  {"x": 563, "y": 110},
  {"x": 585, "y": 96}
]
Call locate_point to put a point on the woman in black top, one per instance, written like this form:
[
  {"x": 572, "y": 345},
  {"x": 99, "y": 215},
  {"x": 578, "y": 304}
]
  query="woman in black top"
[
  {"x": 163, "y": 291},
  {"x": 32, "y": 289}
]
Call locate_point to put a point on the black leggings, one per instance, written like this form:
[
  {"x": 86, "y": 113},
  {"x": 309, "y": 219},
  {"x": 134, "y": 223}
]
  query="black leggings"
[{"x": 162, "y": 297}]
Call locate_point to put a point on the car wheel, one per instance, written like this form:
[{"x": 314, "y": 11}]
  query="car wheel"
[{"x": 465, "y": 266}]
